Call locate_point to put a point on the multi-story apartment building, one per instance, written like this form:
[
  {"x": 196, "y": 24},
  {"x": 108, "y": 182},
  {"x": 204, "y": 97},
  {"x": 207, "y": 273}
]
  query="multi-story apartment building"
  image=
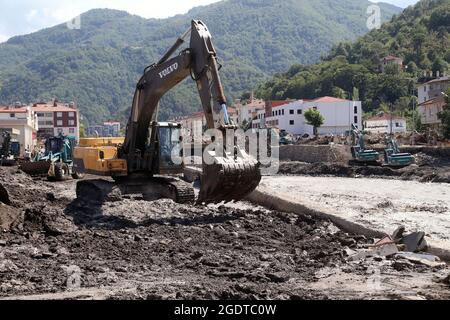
[
  {"x": 21, "y": 122},
  {"x": 433, "y": 89},
  {"x": 429, "y": 111},
  {"x": 56, "y": 118}
]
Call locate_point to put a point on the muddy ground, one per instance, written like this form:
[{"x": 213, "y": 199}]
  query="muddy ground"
[{"x": 53, "y": 247}]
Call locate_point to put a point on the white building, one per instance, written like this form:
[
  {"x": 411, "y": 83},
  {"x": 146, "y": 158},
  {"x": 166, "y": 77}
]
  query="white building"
[
  {"x": 339, "y": 115},
  {"x": 385, "y": 123},
  {"x": 23, "y": 121},
  {"x": 433, "y": 89}
]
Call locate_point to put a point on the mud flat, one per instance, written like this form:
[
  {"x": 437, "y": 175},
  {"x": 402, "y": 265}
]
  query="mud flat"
[
  {"x": 58, "y": 248},
  {"x": 377, "y": 204}
]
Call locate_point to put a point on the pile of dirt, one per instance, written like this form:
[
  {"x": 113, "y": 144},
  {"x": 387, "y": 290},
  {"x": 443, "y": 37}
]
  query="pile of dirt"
[{"x": 413, "y": 172}]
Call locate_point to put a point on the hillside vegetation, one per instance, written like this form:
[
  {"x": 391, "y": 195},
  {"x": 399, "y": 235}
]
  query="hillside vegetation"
[
  {"x": 419, "y": 35},
  {"x": 99, "y": 65}
]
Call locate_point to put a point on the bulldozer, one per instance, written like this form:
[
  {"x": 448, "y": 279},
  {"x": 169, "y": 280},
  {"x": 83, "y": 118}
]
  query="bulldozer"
[
  {"x": 361, "y": 155},
  {"x": 144, "y": 163},
  {"x": 56, "y": 162},
  {"x": 392, "y": 155},
  {"x": 9, "y": 150}
]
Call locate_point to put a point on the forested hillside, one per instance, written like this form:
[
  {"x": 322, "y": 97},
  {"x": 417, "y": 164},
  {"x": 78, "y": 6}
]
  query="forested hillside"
[
  {"x": 98, "y": 65},
  {"x": 419, "y": 35}
]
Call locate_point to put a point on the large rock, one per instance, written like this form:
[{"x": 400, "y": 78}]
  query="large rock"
[
  {"x": 10, "y": 218},
  {"x": 4, "y": 196}
]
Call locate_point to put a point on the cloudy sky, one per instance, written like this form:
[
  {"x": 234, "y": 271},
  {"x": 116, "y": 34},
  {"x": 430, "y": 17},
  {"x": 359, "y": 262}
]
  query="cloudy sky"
[{"x": 25, "y": 16}]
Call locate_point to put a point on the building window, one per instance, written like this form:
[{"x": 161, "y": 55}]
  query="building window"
[
  {"x": 41, "y": 114},
  {"x": 49, "y": 115},
  {"x": 71, "y": 114},
  {"x": 356, "y": 119},
  {"x": 59, "y": 114},
  {"x": 299, "y": 111},
  {"x": 282, "y": 112},
  {"x": 60, "y": 130},
  {"x": 355, "y": 109},
  {"x": 71, "y": 122},
  {"x": 71, "y": 130},
  {"x": 12, "y": 115},
  {"x": 291, "y": 112},
  {"x": 59, "y": 123},
  {"x": 291, "y": 122}
]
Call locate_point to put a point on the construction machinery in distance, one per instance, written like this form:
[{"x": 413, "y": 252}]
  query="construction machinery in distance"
[
  {"x": 56, "y": 162},
  {"x": 9, "y": 150},
  {"x": 143, "y": 163},
  {"x": 392, "y": 155},
  {"x": 361, "y": 155}
]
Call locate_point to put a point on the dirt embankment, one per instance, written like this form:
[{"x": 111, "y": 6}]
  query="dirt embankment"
[
  {"x": 430, "y": 166},
  {"x": 133, "y": 249}
]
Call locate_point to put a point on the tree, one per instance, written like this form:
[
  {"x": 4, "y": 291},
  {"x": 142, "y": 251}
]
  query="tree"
[
  {"x": 444, "y": 116},
  {"x": 314, "y": 118}
]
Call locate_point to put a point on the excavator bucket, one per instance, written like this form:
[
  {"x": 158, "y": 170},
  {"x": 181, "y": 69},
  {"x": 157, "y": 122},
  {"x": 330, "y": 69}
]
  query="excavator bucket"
[
  {"x": 228, "y": 180},
  {"x": 37, "y": 168}
]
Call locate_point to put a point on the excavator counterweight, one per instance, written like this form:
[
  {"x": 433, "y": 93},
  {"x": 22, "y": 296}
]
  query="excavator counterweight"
[{"x": 144, "y": 163}]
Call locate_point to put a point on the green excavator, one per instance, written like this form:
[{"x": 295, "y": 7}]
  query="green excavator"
[
  {"x": 392, "y": 155},
  {"x": 360, "y": 154}
]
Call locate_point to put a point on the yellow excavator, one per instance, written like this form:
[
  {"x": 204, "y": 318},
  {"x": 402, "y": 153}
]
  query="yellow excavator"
[{"x": 143, "y": 163}]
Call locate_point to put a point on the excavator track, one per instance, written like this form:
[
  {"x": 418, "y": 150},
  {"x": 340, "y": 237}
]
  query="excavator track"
[{"x": 100, "y": 190}]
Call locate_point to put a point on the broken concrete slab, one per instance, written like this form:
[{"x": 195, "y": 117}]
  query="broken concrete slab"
[
  {"x": 423, "y": 259},
  {"x": 385, "y": 250}
]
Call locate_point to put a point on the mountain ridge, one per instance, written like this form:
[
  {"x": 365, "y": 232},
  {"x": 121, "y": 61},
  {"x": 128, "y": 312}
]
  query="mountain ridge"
[{"x": 98, "y": 65}]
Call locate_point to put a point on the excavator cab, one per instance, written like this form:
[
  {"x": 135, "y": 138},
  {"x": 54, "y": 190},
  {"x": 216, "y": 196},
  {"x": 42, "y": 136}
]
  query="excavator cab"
[{"x": 165, "y": 145}]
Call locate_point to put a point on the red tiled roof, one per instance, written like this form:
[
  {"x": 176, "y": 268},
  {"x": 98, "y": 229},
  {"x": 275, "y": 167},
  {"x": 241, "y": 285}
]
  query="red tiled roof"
[
  {"x": 442, "y": 79},
  {"x": 330, "y": 99},
  {"x": 6, "y": 109},
  {"x": 392, "y": 58},
  {"x": 51, "y": 108},
  {"x": 432, "y": 101}
]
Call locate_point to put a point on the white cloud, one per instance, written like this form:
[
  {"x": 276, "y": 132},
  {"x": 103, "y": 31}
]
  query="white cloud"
[{"x": 3, "y": 38}]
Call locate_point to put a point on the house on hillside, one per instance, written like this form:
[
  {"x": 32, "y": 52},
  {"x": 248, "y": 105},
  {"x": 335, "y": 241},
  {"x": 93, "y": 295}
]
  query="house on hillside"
[
  {"x": 390, "y": 60},
  {"x": 433, "y": 89}
]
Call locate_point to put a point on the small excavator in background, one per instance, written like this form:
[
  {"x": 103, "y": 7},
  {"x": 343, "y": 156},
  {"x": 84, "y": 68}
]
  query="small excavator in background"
[
  {"x": 56, "y": 162},
  {"x": 392, "y": 155},
  {"x": 9, "y": 150},
  {"x": 361, "y": 155},
  {"x": 143, "y": 163}
]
